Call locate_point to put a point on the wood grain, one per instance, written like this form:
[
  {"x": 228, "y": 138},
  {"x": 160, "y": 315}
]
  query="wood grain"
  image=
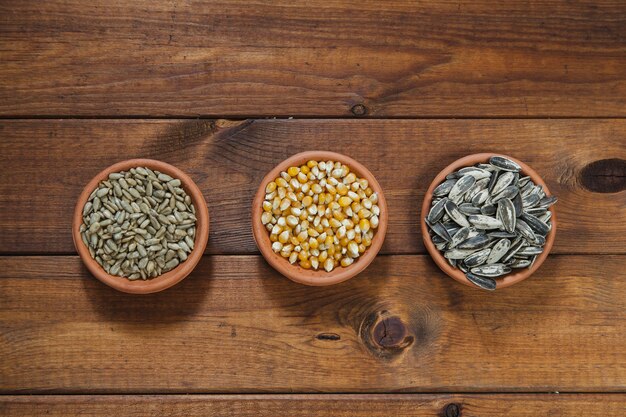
[
  {"x": 307, "y": 58},
  {"x": 47, "y": 162},
  {"x": 236, "y": 326},
  {"x": 400, "y": 405}
]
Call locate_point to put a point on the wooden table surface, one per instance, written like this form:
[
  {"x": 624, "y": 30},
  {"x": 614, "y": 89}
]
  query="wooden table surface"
[{"x": 225, "y": 90}]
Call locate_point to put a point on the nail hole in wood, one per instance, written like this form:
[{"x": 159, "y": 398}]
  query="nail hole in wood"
[
  {"x": 328, "y": 336},
  {"x": 359, "y": 110}
]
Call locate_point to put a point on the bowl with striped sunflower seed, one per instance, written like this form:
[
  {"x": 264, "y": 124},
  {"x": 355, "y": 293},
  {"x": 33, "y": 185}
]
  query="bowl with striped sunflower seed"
[
  {"x": 488, "y": 220},
  {"x": 141, "y": 226}
]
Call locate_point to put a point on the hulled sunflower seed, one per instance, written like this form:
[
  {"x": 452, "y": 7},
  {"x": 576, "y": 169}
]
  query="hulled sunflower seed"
[{"x": 130, "y": 227}]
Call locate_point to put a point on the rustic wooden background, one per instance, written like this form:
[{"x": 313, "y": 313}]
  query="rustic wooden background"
[{"x": 226, "y": 89}]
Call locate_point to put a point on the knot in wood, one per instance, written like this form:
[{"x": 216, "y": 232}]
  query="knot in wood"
[
  {"x": 604, "y": 176},
  {"x": 386, "y": 336},
  {"x": 452, "y": 410},
  {"x": 389, "y": 332}
]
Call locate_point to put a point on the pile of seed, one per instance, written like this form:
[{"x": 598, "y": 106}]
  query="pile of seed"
[
  {"x": 487, "y": 220},
  {"x": 139, "y": 223},
  {"x": 320, "y": 215}
]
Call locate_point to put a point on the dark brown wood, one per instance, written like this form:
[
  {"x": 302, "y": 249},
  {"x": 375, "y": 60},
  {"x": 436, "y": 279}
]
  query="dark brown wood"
[
  {"x": 325, "y": 58},
  {"x": 399, "y": 405},
  {"x": 235, "y": 325},
  {"x": 46, "y": 163}
]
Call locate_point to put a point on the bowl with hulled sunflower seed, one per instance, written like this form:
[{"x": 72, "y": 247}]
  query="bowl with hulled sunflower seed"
[
  {"x": 141, "y": 226},
  {"x": 488, "y": 220}
]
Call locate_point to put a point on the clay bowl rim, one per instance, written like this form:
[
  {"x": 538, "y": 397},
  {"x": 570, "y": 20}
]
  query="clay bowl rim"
[
  {"x": 310, "y": 276},
  {"x": 163, "y": 281},
  {"x": 457, "y": 274}
]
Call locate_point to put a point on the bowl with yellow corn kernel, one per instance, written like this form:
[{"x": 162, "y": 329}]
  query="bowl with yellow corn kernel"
[{"x": 319, "y": 218}]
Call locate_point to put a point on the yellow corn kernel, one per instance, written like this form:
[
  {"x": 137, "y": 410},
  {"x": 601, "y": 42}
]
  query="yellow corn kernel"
[
  {"x": 368, "y": 191},
  {"x": 285, "y": 176},
  {"x": 284, "y": 237},
  {"x": 358, "y": 238},
  {"x": 346, "y": 262},
  {"x": 329, "y": 265},
  {"x": 293, "y": 171},
  {"x": 316, "y": 188},
  {"x": 362, "y": 248},
  {"x": 356, "y": 207},
  {"x": 363, "y": 183},
  {"x": 315, "y": 263},
  {"x": 303, "y": 255},
  {"x": 328, "y": 241},
  {"x": 284, "y": 204},
  {"x": 334, "y": 223},
  {"x": 302, "y": 236},
  {"x": 342, "y": 189},
  {"x": 374, "y": 198},
  {"x": 364, "y": 224},
  {"x": 374, "y": 222},
  {"x": 338, "y": 255},
  {"x": 305, "y": 264},
  {"x": 367, "y": 241},
  {"x": 313, "y": 243},
  {"x": 353, "y": 249},
  {"x": 311, "y": 164},
  {"x": 345, "y": 201},
  {"x": 281, "y": 182},
  {"x": 271, "y": 187},
  {"x": 354, "y": 196},
  {"x": 274, "y": 238},
  {"x": 344, "y": 242},
  {"x": 323, "y": 256},
  {"x": 349, "y": 179},
  {"x": 312, "y": 232},
  {"x": 293, "y": 257},
  {"x": 267, "y": 206},
  {"x": 301, "y": 178},
  {"x": 331, "y": 190},
  {"x": 294, "y": 241},
  {"x": 331, "y": 250},
  {"x": 305, "y": 246},
  {"x": 292, "y": 220},
  {"x": 307, "y": 201},
  {"x": 304, "y": 169},
  {"x": 364, "y": 213}
]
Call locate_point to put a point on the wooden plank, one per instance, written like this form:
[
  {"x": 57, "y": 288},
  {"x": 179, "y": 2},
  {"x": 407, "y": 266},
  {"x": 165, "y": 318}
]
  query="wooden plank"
[
  {"x": 236, "y": 326},
  {"x": 402, "y": 405},
  {"x": 47, "y": 162},
  {"x": 241, "y": 58}
]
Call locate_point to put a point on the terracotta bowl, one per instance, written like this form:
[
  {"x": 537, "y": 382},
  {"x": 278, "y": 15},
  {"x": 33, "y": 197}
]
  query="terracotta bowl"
[
  {"x": 457, "y": 274},
  {"x": 169, "y": 278},
  {"x": 310, "y": 276}
]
